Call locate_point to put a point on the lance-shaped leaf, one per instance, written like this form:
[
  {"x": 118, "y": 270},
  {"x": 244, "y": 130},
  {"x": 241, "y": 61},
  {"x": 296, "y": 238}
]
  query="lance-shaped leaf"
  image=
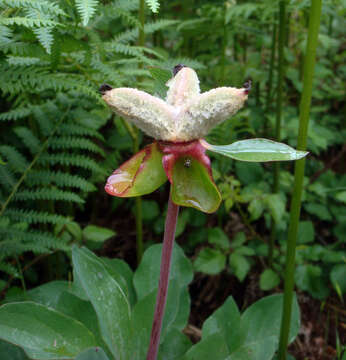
[
  {"x": 256, "y": 150},
  {"x": 152, "y": 115},
  {"x": 43, "y": 332},
  {"x": 209, "y": 109},
  {"x": 140, "y": 175},
  {"x": 183, "y": 86},
  {"x": 193, "y": 185}
]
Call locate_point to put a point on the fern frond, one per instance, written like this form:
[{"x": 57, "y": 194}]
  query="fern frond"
[
  {"x": 45, "y": 37},
  {"x": 86, "y": 9},
  {"x": 75, "y": 129},
  {"x": 41, "y": 5},
  {"x": 28, "y": 22},
  {"x": 47, "y": 177},
  {"x": 69, "y": 160},
  {"x": 15, "y": 114},
  {"x": 48, "y": 194},
  {"x": 153, "y": 5},
  {"x": 16, "y": 161},
  {"x": 68, "y": 142},
  {"x": 28, "y": 138},
  {"x": 35, "y": 217},
  {"x": 23, "y": 61},
  {"x": 9, "y": 269},
  {"x": 5, "y": 35},
  {"x": 7, "y": 179}
]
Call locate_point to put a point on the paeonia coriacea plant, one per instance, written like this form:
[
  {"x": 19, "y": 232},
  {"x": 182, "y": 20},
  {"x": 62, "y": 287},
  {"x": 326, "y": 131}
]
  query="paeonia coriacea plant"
[{"x": 178, "y": 154}]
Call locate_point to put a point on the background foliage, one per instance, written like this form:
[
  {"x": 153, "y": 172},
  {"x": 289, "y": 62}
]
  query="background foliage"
[{"x": 59, "y": 141}]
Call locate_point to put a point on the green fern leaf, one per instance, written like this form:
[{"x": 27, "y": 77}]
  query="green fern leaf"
[
  {"x": 35, "y": 217},
  {"x": 16, "y": 161},
  {"x": 48, "y": 194},
  {"x": 153, "y": 5},
  {"x": 86, "y": 9},
  {"x": 68, "y": 142},
  {"x": 28, "y": 138}
]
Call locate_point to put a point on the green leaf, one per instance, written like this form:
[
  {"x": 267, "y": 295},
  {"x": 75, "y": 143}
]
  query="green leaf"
[
  {"x": 225, "y": 321},
  {"x": 176, "y": 316},
  {"x": 310, "y": 278},
  {"x": 161, "y": 76},
  {"x": 83, "y": 311},
  {"x": 43, "y": 332},
  {"x": 269, "y": 279},
  {"x": 97, "y": 233},
  {"x": 193, "y": 186},
  {"x": 217, "y": 237},
  {"x": 257, "y": 150},
  {"x": 210, "y": 261},
  {"x": 150, "y": 210},
  {"x": 108, "y": 299},
  {"x": 95, "y": 353},
  {"x": 338, "y": 277},
  {"x": 263, "y": 319},
  {"x": 306, "y": 232},
  {"x": 175, "y": 345},
  {"x": 276, "y": 206},
  {"x": 146, "y": 277},
  {"x": 142, "y": 174},
  {"x": 213, "y": 347},
  {"x": 9, "y": 351},
  {"x": 122, "y": 274},
  {"x": 240, "y": 265}
]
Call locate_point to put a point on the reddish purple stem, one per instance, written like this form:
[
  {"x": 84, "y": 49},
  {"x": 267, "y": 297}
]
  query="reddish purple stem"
[{"x": 168, "y": 242}]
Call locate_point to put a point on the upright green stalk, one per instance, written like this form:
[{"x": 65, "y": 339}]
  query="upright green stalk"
[
  {"x": 270, "y": 76},
  {"x": 281, "y": 40},
  {"x": 309, "y": 65},
  {"x": 138, "y": 200}
]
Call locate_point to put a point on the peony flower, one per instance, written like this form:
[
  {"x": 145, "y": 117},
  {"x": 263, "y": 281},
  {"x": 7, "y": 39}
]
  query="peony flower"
[{"x": 178, "y": 126}]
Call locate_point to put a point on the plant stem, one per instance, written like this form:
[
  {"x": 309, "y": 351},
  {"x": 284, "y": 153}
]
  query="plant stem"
[
  {"x": 309, "y": 65},
  {"x": 281, "y": 40},
  {"x": 270, "y": 76},
  {"x": 168, "y": 241}
]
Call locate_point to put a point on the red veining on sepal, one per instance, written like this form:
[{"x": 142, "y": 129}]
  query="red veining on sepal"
[{"x": 173, "y": 151}]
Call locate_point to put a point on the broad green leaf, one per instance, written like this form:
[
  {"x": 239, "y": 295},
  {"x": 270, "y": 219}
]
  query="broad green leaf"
[
  {"x": 257, "y": 150},
  {"x": 193, "y": 186},
  {"x": 108, "y": 299},
  {"x": 210, "y": 261},
  {"x": 306, "y": 232},
  {"x": 43, "y": 332},
  {"x": 140, "y": 175},
  {"x": 83, "y": 311},
  {"x": 214, "y": 347},
  {"x": 123, "y": 274},
  {"x": 262, "y": 320},
  {"x": 269, "y": 279},
  {"x": 9, "y": 351},
  {"x": 240, "y": 265},
  {"x": 95, "y": 353},
  {"x": 176, "y": 316},
  {"x": 97, "y": 233},
  {"x": 311, "y": 278},
  {"x": 147, "y": 275},
  {"x": 217, "y": 237},
  {"x": 175, "y": 345},
  {"x": 338, "y": 277},
  {"x": 48, "y": 294},
  {"x": 225, "y": 321}
]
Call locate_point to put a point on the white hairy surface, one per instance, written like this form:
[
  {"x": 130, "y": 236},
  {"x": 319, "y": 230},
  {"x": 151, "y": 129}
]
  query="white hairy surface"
[{"x": 185, "y": 115}]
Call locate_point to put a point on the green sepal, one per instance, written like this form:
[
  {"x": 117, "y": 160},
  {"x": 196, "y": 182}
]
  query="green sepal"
[
  {"x": 193, "y": 186},
  {"x": 257, "y": 150},
  {"x": 141, "y": 174}
]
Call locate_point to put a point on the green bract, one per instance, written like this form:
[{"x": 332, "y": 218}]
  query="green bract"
[{"x": 179, "y": 124}]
